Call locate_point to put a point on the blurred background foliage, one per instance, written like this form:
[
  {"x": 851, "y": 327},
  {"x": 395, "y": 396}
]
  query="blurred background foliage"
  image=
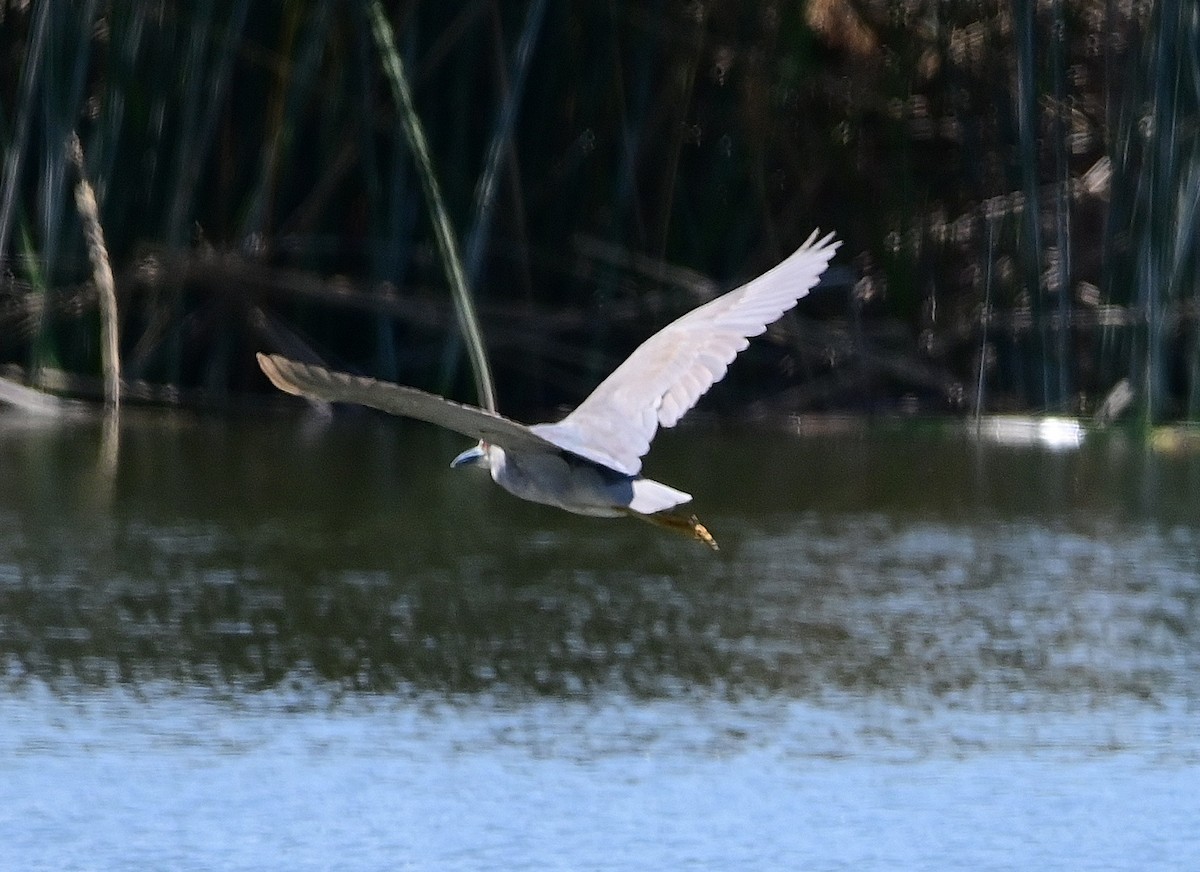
[{"x": 1016, "y": 182}]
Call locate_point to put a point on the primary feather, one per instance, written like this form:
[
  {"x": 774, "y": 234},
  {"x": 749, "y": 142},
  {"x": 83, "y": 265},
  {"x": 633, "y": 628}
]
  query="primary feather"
[
  {"x": 670, "y": 371},
  {"x": 304, "y": 379}
]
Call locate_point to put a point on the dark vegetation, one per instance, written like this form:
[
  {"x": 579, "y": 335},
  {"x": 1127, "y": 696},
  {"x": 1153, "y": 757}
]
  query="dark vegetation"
[{"x": 1017, "y": 185}]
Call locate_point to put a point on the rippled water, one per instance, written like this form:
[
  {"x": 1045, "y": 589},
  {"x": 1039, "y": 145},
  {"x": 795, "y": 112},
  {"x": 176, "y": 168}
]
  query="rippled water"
[{"x": 287, "y": 642}]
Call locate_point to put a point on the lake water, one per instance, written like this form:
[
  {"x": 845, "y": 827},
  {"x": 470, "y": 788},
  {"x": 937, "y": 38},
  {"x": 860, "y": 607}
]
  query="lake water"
[{"x": 290, "y": 642}]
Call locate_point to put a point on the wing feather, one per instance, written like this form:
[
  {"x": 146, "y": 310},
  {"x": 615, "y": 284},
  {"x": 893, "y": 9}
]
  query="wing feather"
[
  {"x": 318, "y": 383},
  {"x": 670, "y": 371}
]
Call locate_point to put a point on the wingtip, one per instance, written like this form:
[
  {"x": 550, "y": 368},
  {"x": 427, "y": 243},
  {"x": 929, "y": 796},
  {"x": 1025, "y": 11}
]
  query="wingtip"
[
  {"x": 272, "y": 366},
  {"x": 816, "y": 242}
]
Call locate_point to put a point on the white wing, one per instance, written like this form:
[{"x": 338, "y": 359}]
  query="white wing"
[
  {"x": 317, "y": 383},
  {"x": 670, "y": 371}
]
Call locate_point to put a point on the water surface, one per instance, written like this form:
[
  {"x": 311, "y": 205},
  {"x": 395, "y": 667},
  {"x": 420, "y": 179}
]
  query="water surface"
[{"x": 301, "y": 643}]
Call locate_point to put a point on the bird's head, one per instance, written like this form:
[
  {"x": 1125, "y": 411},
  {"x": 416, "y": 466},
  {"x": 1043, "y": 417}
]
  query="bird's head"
[{"x": 476, "y": 456}]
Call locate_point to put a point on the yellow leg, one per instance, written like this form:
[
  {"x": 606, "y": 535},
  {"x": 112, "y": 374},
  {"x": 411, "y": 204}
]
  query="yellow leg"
[{"x": 688, "y": 526}]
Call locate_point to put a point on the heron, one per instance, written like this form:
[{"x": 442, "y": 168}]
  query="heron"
[{"x": 590, "y": 462}]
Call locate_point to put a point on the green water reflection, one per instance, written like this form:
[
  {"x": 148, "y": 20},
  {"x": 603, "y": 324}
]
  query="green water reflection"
[{"x": 262, "y": 552}]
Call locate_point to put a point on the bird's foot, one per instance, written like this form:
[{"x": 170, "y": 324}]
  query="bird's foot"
[
  {"x": 688, "y": 525},
  {"x": 701, "y": 533}
]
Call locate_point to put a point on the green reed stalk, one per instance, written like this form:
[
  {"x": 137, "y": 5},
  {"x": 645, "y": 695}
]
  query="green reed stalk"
[
  {"x": 14, "y": 153},
  {"x": 1169, "y": 183},
  {"x": 202, "y": 105},
  {"x": 499, "y": 149},
  {"x": 393, "y": 208},
  {"x": 301, "y": 76},
  {"x": 443, "y": 232},
  {"x": 1025, "y": 25},
  {"x": 502, "y": 136},
  {"x": 1062, "y": 205}
]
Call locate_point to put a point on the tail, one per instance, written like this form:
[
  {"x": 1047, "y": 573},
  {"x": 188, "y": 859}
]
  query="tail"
[{"x": 651, "y": 496}]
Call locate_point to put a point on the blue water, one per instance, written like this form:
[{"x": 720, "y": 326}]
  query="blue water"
[
  {"x": 115, "y": 781},
  {"x": 229, "y": 646}
]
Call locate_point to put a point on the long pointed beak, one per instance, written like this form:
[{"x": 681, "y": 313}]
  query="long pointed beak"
[{"x": 471, "y": 457}]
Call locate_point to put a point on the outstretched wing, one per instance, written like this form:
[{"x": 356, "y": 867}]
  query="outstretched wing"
[
  {"x": 303, "y": 379},
  {"x": 672, "y": 369}
]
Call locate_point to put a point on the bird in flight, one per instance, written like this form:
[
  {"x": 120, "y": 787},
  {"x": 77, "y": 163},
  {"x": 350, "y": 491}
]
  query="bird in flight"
[{"x": 590, "y": 462}]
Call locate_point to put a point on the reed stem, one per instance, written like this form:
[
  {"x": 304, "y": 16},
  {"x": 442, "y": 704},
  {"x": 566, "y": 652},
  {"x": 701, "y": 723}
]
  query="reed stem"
[
  {"x": 102, "y": 275},
  {"x": 464, "y": 308}
]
